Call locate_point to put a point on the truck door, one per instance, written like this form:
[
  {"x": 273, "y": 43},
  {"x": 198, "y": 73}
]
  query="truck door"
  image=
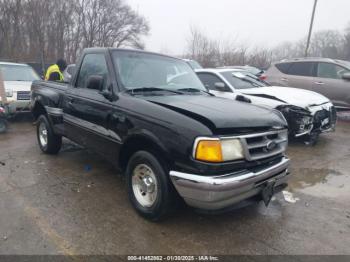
[{"x": 87, "y": 111}]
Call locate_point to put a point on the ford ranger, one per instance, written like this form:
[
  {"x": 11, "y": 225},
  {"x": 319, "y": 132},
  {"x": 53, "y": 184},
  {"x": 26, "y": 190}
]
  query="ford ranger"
[{"x": 151, "y": 116}]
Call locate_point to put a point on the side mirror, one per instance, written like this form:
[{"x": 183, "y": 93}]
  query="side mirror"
[
  {"x": 67, "y": 79},
  {"x": 346, "y": 76},
  {"x": 72, "y": 70},
  {"x": 220, "y": 86},
  {"x": 95, "y": 82}
]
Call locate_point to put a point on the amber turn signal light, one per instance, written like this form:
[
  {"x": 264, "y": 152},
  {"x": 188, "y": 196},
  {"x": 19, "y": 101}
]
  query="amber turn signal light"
[{"x": 209, "y": 151}]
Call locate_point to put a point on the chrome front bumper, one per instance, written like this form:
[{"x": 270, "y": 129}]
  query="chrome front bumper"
[{"x": 219, "y": 192}]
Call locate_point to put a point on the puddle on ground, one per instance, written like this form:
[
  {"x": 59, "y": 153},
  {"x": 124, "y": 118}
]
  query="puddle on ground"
[{"x": 320, "y": 182}]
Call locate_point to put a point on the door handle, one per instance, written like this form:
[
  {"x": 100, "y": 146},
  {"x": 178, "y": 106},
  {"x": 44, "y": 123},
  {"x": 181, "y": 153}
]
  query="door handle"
[
  {"x": 284, "y": 79},
  {"x": 319, "y": 83}
]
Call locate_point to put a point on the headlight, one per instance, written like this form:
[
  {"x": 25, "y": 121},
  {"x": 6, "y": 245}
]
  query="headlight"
[
  {"x": 9, "y": 93},
  {"x": 290, "y": 109},
  {"x": 296, "y": 116},
  {"x": 218, "y": 150},
  {"x": 306, "y": 120},
  {"x": 305, "y": 123}
]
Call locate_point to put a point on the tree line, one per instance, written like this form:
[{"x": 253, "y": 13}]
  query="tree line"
[
  {"x": 44, "y": 30},
  {"x": 210, "y": 52}
]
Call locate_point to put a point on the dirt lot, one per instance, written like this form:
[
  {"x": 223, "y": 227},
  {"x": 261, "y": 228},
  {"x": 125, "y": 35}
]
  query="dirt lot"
[{"x": 75, "y": 203}]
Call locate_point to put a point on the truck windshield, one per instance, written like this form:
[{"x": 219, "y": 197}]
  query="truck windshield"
[
  {"x": 18, "y": 73},
  {"x": 143, "y": 70},
  {"x": 346, "y": 64},
  {"x": 194, "y": 64}
]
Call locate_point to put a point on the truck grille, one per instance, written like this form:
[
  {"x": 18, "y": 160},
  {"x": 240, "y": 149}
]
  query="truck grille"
[
  {"x": 23, "y": 95},
  {"x": 263, "y": 145}
]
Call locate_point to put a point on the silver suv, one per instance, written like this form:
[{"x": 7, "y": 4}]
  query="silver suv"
[{"x": 328, "y": 77}]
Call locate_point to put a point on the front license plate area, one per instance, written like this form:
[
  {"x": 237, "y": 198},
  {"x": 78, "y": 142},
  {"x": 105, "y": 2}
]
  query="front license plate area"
[{"x": 268, "y": 192}]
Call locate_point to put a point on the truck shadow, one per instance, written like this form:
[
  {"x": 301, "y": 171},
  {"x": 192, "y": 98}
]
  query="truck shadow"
[{"x": 24, "y": 117}]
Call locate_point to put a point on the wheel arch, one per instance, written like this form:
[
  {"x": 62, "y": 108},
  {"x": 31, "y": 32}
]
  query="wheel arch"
[
  {"x": 146, "y": 142},
  {"x": 38, "y": 110}
]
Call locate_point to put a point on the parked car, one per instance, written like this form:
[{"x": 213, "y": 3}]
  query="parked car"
[
  {"x": 17, "y": 81},
  {"x": 68, "y": 73},
  {"x": 193, "y": 64},
  {"x": 308, "y": 113},
  {"x": 169, "y": 136},
  {"x": 329, "y": 77}
]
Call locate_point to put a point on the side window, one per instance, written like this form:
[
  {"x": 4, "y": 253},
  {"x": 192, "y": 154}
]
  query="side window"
[
  {"x": 93, "y": 64},
  {"x": 302, "y": 69},
  {"x": 327, "y": 70},
  {"x": 209, "y": 81},
  {"x": 283, "y": 67}
]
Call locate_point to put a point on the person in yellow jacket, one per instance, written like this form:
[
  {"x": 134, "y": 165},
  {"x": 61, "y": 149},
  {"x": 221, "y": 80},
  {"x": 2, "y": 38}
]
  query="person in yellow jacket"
[{"x": 55, "y": 72}]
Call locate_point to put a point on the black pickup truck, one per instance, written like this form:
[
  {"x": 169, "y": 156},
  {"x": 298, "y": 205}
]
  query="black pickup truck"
[{"x": 151, "y": 116}]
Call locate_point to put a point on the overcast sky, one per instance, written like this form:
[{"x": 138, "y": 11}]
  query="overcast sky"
[{"x": 255, "y": 22}]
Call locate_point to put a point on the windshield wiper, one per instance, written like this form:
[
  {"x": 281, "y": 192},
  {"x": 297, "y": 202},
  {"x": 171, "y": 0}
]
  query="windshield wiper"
[
  {"x": 151, "y": 89},
  {"x": 194, "y": 90},
  {"x": 251, "y": 82}
]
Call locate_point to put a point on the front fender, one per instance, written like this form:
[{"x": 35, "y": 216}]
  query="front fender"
[{"x": 148, "y": 135}]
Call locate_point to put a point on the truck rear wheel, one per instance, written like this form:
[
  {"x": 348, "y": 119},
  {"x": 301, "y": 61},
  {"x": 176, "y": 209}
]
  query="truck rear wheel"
[
  {"x": 149, "y": 188},
  {"x": 49, "y": 142}
]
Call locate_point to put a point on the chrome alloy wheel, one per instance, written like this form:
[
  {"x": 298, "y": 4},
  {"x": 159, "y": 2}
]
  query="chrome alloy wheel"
[
  {"x": 43, "y": 134},
  {"x": 144, "y": 185}
]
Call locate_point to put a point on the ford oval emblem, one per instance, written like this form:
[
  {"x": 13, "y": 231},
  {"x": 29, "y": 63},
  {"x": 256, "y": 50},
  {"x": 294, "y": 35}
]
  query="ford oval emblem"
[{"x": 271, "y": 145}]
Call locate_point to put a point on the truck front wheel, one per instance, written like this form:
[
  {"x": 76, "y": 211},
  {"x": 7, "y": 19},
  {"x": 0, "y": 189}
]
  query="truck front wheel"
[
  {"x": 49, "y": 142},
  {"x": 149, "y": 188}
]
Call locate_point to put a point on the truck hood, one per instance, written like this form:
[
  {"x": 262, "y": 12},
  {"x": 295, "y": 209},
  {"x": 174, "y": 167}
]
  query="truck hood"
[
  {"x": 17, "y": 85},
  {"x": 220, "y": 112},
  {"x": 288, "y": 95}
]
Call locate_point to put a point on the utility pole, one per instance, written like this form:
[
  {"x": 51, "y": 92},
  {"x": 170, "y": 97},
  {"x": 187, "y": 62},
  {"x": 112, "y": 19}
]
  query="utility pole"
[{"x": 310, "y": 29}]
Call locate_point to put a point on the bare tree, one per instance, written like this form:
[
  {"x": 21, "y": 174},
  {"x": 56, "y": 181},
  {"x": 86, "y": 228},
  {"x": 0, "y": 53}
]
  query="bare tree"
[
  {"x": 213, "y": 52},
  {"x": 11, "y": 27},
  {"x": 327, "y": 43},
  {"x": 201, "y": 48},
  {"x": 346, "y": 49},
  {"x": 44, "y": 30},
  {"x": 260, "y": 57}
]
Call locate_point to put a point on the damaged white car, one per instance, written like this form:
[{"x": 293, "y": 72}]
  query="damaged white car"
[{"x": 308, "y": 113}]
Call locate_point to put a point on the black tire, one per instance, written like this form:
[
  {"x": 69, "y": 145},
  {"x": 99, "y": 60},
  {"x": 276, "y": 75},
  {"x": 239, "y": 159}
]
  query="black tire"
[
  {"x": 312, "y": 139},
  {"x": 3, "y": 126},
  {"x": 53, "y": 143},
  {"x": 166, "y": 200}
]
